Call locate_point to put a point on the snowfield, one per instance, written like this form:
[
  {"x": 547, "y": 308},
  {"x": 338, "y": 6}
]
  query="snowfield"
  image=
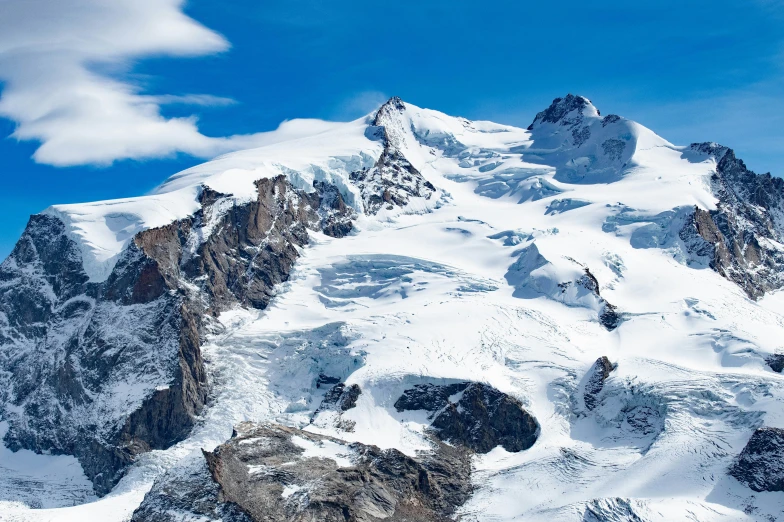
[{"x": 481, "y": 282}]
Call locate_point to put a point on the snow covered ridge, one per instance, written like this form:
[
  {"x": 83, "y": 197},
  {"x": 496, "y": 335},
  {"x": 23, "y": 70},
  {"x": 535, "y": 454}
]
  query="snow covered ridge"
[
  {"x": 611, "y": 297},
  {"x": 374, "y": 160}
]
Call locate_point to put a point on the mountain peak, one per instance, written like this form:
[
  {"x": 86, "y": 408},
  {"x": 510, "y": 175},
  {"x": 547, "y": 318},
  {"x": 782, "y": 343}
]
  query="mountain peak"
[
  {"x": 390, "y": 107},
  {"x": 352, "y": 277},
  {"x": 711, "y": 148},
  {"x": 391, "y": 118},
  {"x": 561, "y": 108}
]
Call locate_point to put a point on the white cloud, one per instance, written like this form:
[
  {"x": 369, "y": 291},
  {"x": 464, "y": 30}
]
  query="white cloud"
[
  {"x": 50, "y": 55},
  {"x": 359, "y": 104},
  {"x": 205, "y": 100}
]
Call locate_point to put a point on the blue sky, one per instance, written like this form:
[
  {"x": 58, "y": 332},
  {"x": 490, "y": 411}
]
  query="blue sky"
[{"x": 94, "y": 79}]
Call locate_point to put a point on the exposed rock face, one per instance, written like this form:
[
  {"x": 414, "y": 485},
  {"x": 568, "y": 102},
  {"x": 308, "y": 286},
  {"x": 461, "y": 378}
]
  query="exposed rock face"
[
  {"x": 76, "y": 357},
  {"x": 336, "y": 217},
  {"x": 187, "y": 493},
  {"x": 393, "y": 181},
  {"x": 761, "y": 463},
  {"x": 742, "y": 238},
  {"x": 473, "y": 415},
  {"x": 776, "y": 362},
  {"x": 251, "y": 247},
  {"x": 428, "y": 397},
  {"x": 340, "y": 398},
  {"x": 274, "y": 473},
  {"x": 598, "y": 373},
  {"x": 608, "y": 313},
  {"x": 613, "y": 148},
  {"x": 566, "y": 111}
]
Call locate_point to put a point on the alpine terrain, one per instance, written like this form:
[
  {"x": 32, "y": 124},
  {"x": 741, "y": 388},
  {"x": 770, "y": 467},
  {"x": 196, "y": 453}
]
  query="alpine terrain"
[{"x": 407, "y": 317}]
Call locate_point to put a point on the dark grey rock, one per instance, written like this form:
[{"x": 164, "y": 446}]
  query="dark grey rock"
[
  {"x": 66, "y": 343},
  {"x": 742, "y": 238},
  {"x": 340, "y": 398},
  {"x": 598, "y": 373},
  {"x": 428, "y": 397},
  {"x": 776, "y": 362},
  {"x": 187, "y": 493},
  {"x": 613, "y": 148},
  {"x": 609, "y": 317},
  {"x": 580, "y": 135},
  {"x": 326, "y": 380},
  {"x": 336, "y": 217},
  {"x": 263, "y": 472},
  {"x": 761, "y": 463},
  {"x": 393, "y": 181},
  {"x": 558, "y": 111},
  {"x": 480, "y": 418}
]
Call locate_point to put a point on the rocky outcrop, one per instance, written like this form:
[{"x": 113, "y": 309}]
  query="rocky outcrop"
[
  {"x": 187, "y": 493},
  {"x": 393, "y": 181},
  {"x": 100, "y": 371},
  {"x": 428, "y": 397},
  {"x": 250, "y": 248},
  {"x": 743, "y": 239},
  {"x": 340, "y": 398},
  {"x": 273, "y": 473},
  {"x": 761, "y": 463},
  {"x": 608, "y": 313},
  {"x": 598, "y": 373},
  {"x": 583, "y": 290},
  {"x": 106, "y": 371},
  {"x": 565, "y": 111},
  {"x": 335, "y": 215},
  {"x": 473, "y": 415},
  {"x": 776, "y": 362},
  {"x": 583, "y": 147}
]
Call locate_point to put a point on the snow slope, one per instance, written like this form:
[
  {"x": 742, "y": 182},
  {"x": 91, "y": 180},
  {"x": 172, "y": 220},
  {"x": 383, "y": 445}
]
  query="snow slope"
[{"x": 485, "y": 286}]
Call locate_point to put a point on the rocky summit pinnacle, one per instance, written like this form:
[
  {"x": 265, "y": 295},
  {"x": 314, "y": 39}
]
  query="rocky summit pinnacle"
[
  {"x": 391, "y": 105},
  {"x": 558, "y": 111}
]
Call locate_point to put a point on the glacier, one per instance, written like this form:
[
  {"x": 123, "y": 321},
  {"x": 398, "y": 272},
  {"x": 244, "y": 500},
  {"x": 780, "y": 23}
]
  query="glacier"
[{"x": 476, "y": 252}]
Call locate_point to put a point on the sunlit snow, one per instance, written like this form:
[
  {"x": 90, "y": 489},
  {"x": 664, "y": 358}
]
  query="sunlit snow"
[{"x": 425, "y": 295}]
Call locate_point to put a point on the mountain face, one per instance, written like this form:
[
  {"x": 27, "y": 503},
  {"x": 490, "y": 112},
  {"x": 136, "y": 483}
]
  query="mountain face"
[
  {"x": 743, "y": 234},
  {"x": 105, "y": 371},
  {"x": 410, "y": 316}
]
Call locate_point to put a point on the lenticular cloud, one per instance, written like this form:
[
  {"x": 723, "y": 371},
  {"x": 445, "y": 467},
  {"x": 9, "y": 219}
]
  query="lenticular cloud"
[{"x": 50, "y": 55}]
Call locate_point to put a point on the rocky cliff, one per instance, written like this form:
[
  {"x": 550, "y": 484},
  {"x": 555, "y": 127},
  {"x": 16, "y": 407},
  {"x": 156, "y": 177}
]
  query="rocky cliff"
[
  {"x": 742, "y": 239},
  {"x": 105, "y": 371},
  {"x": 277, "y": 473}
]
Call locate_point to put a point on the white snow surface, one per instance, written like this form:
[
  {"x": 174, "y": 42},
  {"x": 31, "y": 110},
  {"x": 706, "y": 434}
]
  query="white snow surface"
[{"x": 469, "y": 291}]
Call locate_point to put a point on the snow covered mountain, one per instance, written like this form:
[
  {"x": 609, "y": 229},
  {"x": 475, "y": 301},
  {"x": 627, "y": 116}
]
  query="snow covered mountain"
[{"x": 410, "y": 316}]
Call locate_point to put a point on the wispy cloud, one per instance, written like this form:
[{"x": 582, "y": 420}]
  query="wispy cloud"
[
  {"x": 203, "y": 100},
  {"x": 358, "y": 104},
  {"x": 52, "y": 53}
]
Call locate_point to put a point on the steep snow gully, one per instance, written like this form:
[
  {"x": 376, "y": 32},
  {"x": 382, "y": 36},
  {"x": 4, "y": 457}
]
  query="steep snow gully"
[{"x": 410, "y": 316}]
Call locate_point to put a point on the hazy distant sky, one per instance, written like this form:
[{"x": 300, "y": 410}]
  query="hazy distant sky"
[{"x": 103, "y": 99}]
